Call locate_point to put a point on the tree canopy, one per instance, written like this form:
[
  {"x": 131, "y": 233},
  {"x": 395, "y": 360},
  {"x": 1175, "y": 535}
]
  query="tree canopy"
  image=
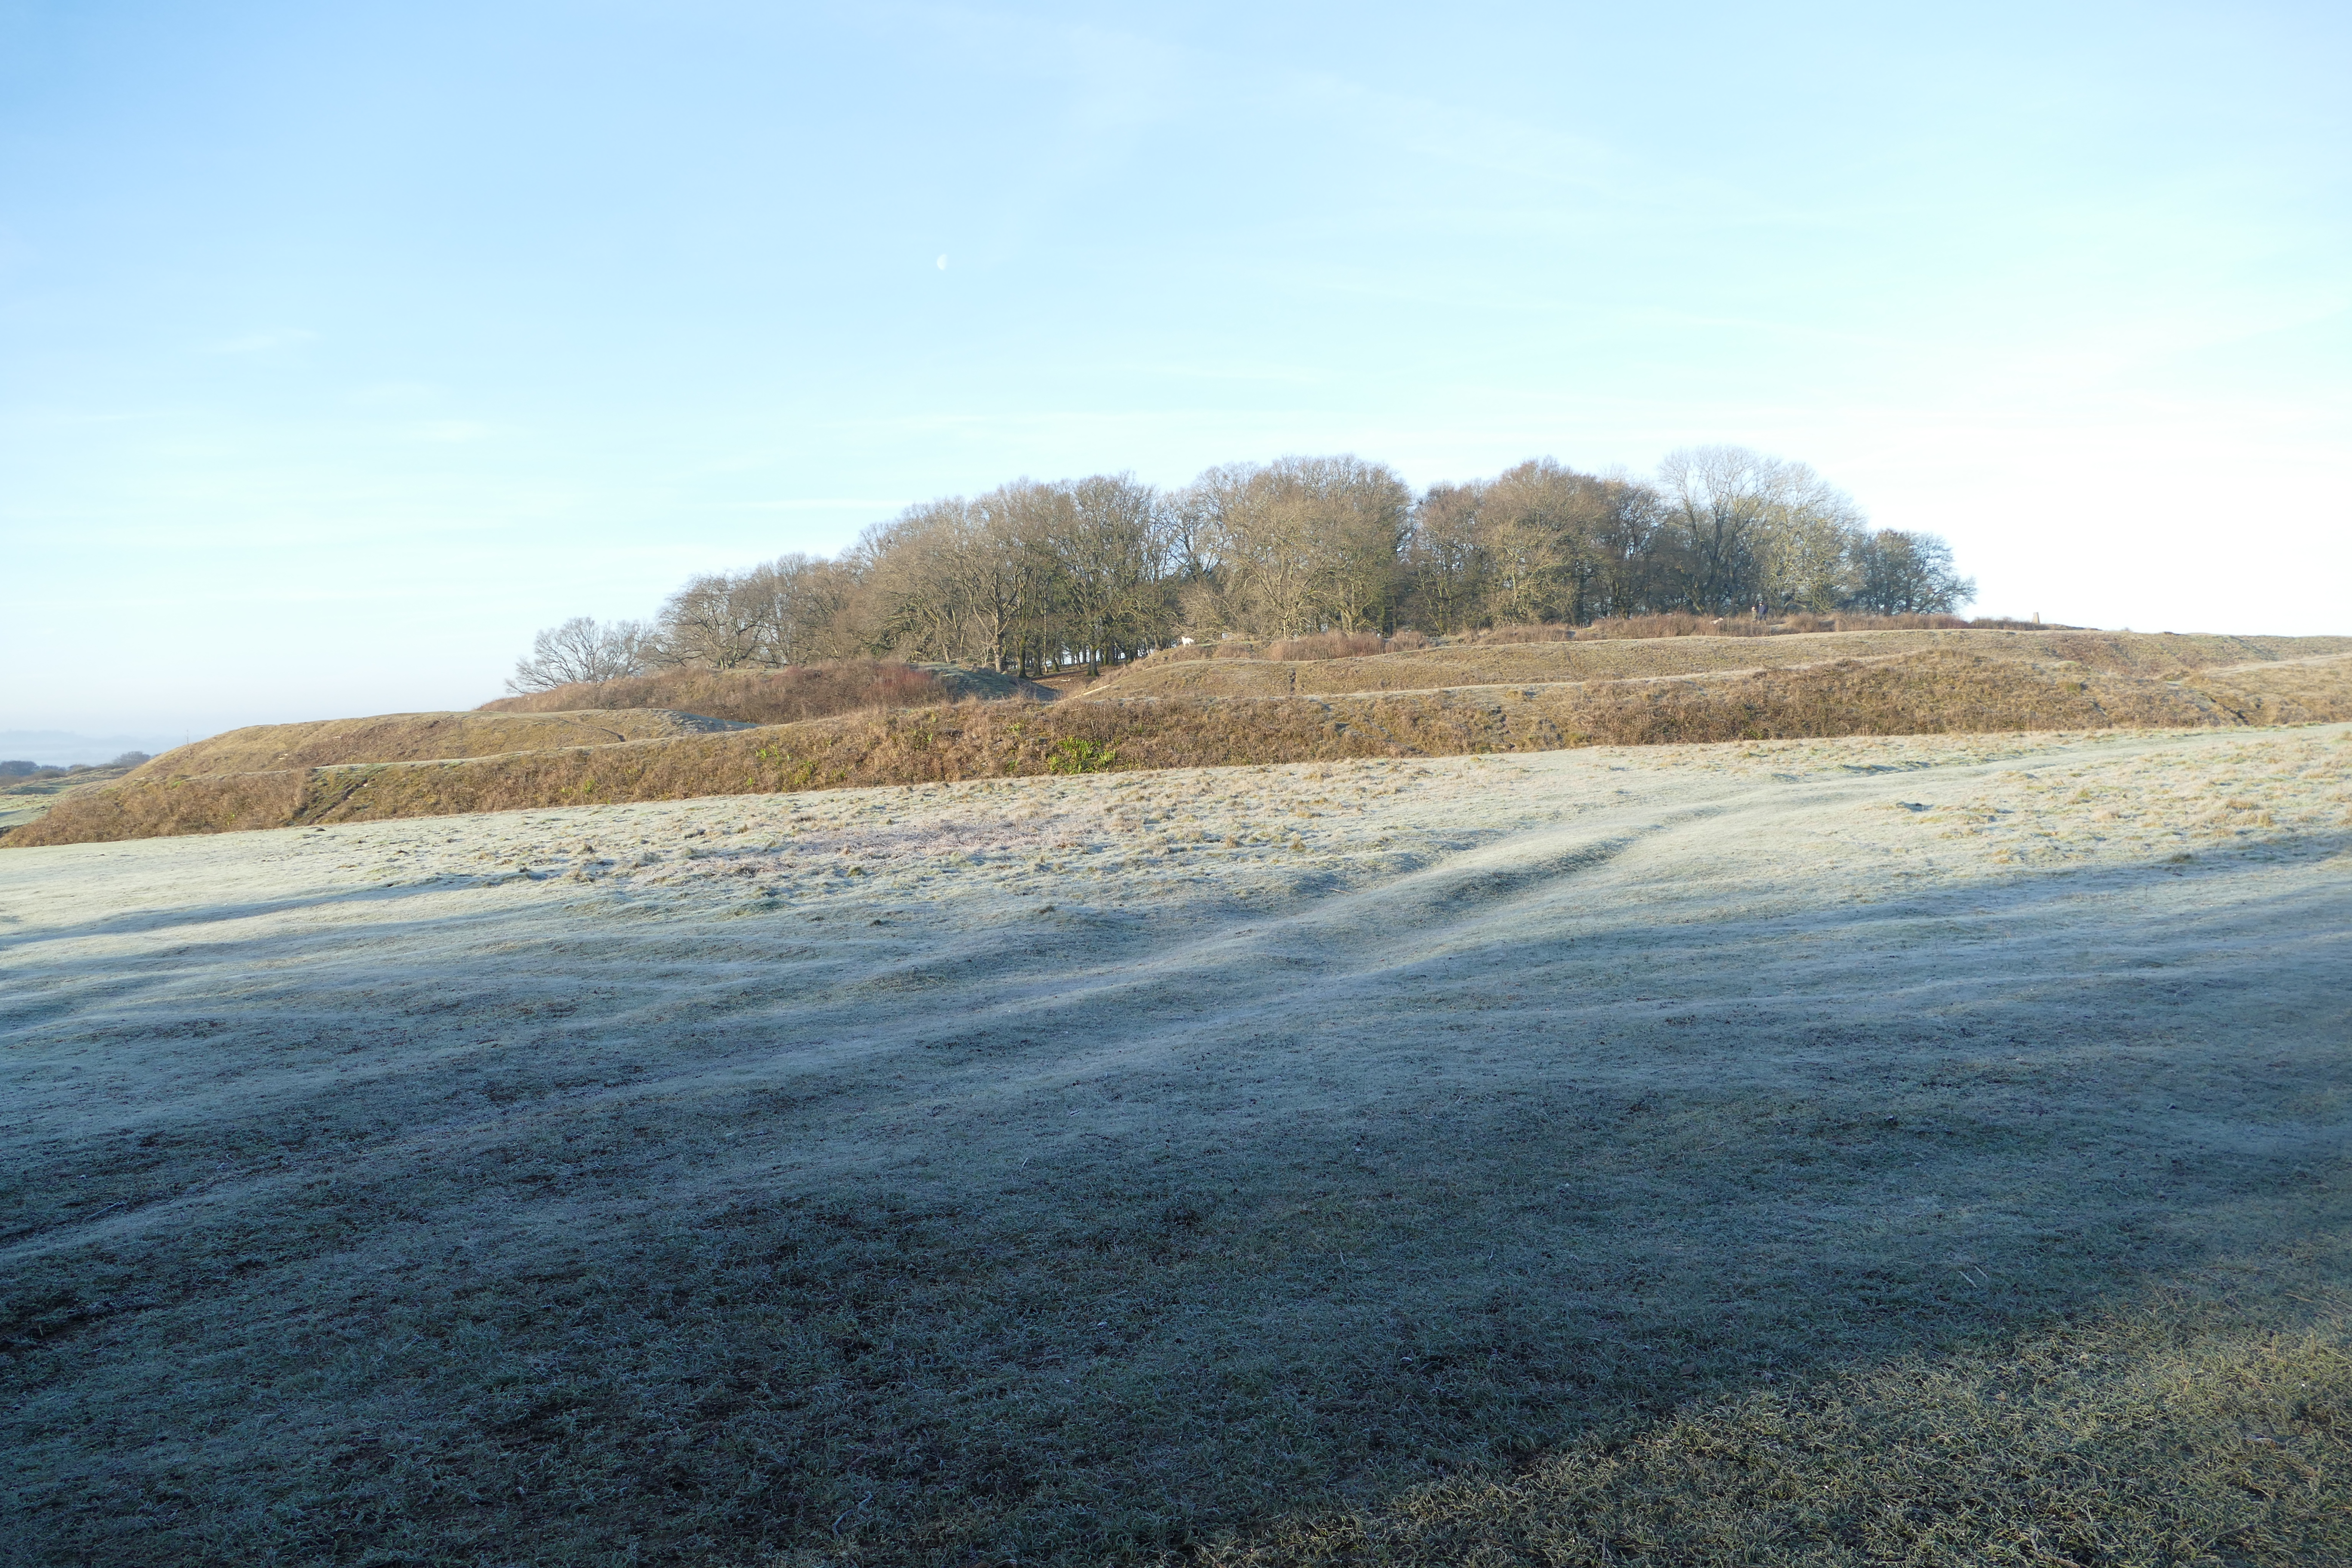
[{"x": 1036, "y": 576}]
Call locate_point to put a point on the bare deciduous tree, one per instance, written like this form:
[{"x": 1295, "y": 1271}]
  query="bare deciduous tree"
[
  {"x": 795, "y": 602},
  {"x": 1718, "y": 502},
  {"x": 1629, "y": 572},
  {"x": 1810, "y": 530},
  {"x": 1031, "y": 576},
  {"x": 1112, "y": 567},
  {"x": 908, "y": 572},
  {"x": 583, "y": 650},
  {"x": 1546, "y": 532},
  {"x": 1307, "y": 543},
  {"x": 714, "y": 621},
  {"x": 1445, "y": 557},
  {"x": 1898, "y": 572}
]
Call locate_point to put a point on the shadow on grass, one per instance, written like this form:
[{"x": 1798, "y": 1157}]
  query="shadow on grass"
[
  {"x": 733, "y": 1248},
  {"x": 197, "y": 917}
]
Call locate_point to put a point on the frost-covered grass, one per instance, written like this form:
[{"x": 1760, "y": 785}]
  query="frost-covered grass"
[{"x": 1836, "y": 1151}]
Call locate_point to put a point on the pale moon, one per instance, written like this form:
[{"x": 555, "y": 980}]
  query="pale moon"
[{"x": 943, "y": 264}]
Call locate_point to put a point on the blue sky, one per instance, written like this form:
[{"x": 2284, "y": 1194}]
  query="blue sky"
[{"x": 341, "y": 347}]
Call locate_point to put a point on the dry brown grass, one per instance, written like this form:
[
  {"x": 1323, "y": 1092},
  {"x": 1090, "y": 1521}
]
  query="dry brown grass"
[
  {"x": 24, "y": 800},
  {"x": 2195, "y": 1436},
  {"x": 1181, "y": 653},
  {"x": 414, "y": 737},
  {"x": 2155, "y": 656},
  {"x": 1935, "y": 691},
  {"x": 1327, "y": 644},
  {"x": 751, "y": 695},
  {"x": 2318, "y": 688},
  {"x": 1680, "y": 624}
]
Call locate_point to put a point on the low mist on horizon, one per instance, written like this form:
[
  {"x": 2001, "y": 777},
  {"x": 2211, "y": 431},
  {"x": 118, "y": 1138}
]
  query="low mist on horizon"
[{"x": 342, "y": 351}]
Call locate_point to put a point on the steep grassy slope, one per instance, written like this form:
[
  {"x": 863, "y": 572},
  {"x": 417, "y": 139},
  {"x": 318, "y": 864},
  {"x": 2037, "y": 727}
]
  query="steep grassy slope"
[
  {"x": 780, "y": 696},
  {"x": 2317, "y": 686},
  {"x": 413, "y": 737},
  {"x": 1932, "y": 692}
]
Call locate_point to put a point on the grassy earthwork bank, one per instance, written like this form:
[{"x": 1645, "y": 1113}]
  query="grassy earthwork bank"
[
  {"x": 2162, "y": 656},
  {"x": 776, "y": 696},
  {"x": 1934, "y": 691}
]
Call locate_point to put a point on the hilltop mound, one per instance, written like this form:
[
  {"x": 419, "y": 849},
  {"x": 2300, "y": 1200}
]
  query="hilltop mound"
[
  {"x": 783, "y": 696},
  {"x": 1935, "y": 691}
]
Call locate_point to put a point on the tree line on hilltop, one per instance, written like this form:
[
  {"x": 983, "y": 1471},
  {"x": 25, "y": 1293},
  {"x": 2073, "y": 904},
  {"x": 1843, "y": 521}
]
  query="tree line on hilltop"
[{"x": 1036, "y": 576}]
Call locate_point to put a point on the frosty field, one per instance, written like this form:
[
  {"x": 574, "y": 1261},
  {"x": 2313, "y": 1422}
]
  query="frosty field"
[{"x": 1851, "y": 1150}]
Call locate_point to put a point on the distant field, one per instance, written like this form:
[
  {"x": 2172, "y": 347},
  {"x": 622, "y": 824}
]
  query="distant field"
[
  {"x": 1841, "y": 1152},
  {"x": 29, "y": 799},
  {"x": 1223, "y": 712}
]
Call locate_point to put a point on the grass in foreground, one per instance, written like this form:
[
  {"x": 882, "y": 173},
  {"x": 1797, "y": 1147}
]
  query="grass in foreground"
[
  {"x": 1651, "y": 1185},
  {"x": 2187, "y": 1431}
]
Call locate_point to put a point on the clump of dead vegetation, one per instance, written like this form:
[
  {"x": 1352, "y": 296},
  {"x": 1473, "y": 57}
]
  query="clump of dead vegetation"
[
  {"x": 783, "y": 696},
  {"x": 1328, "y": 645}
]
